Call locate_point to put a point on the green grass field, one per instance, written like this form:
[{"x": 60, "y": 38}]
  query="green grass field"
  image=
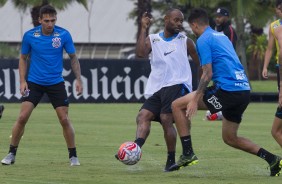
[
  {"x": 42, "y": 156},
  {"x": 264, "y": 86}
]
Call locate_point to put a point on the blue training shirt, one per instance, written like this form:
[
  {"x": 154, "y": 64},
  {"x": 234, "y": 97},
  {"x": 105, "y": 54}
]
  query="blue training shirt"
[
  {"x": 228, "y": 73},
  {"x": 46, "y": 54}
]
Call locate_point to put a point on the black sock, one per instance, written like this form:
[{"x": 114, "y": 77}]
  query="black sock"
[
  {"x": 140, "y": 142},
  {"x": 186, "y": 145},
  {"x": 170, "y": 157},
  {"x": 13, "y": 149},
  {"x": 72, "y": 152},
  {"x": 267, "y": 156}
]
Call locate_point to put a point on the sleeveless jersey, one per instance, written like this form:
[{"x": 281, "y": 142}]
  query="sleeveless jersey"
[
  {"x": 228, "y": 73},
  {"x": 169, "y": 63},
  {"x": 46, "y": 54},
  {"x": 273, "y": 26}
]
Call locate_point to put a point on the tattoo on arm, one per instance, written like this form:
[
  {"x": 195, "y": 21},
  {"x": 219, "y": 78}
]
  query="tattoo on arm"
[
  {"x": 205, "y": 80},
  {"x": 75, "y": 67}
]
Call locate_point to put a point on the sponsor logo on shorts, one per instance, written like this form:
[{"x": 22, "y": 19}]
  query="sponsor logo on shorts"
[{"x": 214, "y": 101}]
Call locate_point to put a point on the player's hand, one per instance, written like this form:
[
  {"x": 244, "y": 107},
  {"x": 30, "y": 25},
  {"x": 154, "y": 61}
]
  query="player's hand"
[
  {"x": 79, "y": 87},
  {"x": 191, "y": 110},
  {"x": 23, "y": 88},
  {"x": 264, "y": 73},
  {"x": 146, "y": 20}
]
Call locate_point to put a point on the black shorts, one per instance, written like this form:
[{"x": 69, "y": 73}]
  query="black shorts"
[
  {"x": 231, "y": 103},
  {"x": 57, "y": 94},
  {"x": 160, "y": 102}
]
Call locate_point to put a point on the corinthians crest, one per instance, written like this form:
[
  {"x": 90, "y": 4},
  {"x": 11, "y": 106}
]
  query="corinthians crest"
[{"x": 56, "y": 42}]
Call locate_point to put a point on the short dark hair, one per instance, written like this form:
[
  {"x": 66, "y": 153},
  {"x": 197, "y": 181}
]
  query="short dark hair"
[
  {"x": 47, "y": 9},
  {"x": 200, "y": 15},
  {"x": 168, "y": 11},
  {"x": 278, "y": 2}
]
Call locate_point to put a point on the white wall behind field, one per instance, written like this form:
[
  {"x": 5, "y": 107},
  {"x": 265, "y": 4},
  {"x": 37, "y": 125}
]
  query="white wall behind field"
[{"x": 109, "y": 22}]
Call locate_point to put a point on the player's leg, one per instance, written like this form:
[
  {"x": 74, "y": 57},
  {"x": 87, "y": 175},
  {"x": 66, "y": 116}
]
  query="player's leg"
[
  {"x": 229, "y": 135},
  {"x": 234, "y": 105},
  {"x": 28, "y": 104},
  {"x": 276, "y": 130},
  {"x": 1, "y": 110},
  {"x": 170, "y": 136},
  {"x": 143, "y": 121},
  {"x": 183, "y": 125},
  {"x": 68, "y": 132},
  {"x": 58, "y": 97},
  {"x": 17, "y": 132}
]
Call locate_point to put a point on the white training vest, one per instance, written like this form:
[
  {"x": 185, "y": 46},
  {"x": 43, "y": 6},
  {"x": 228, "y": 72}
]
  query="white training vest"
[{"x": 169, "y": 64}]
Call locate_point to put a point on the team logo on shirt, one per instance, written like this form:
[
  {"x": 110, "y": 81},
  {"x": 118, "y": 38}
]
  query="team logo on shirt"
[
  {"x": 213, "y": 100},
  {"x": 56, "y": 42}
]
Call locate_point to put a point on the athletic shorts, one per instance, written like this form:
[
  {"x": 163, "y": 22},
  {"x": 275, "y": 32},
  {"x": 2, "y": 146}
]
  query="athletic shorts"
[
  {"x": 231, "y": 103},
  {"x": 57, "y": 94},
  {"x": 278, "y": 112},
  {"x": 160, "y": 102}
]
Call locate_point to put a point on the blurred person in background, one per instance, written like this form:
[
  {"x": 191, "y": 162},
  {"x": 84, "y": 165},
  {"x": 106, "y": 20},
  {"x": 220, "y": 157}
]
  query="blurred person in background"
[{"x": 275, "y": 32}]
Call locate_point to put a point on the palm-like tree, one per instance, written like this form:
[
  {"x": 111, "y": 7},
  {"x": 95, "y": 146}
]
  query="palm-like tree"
[
  {"x": 257, "y": 50},
  {"x": 58, "y": 4}
]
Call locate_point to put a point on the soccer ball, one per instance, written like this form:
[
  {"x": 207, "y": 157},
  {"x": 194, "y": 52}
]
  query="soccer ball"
[
  {"x": 213, "y": 117},
  {"x": 129, "y": 153}
]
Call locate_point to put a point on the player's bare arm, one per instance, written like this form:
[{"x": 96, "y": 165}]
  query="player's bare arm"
[
  {"x": 268, "y": 54},
  {"x": 191, "y": 49},
  {"x": 143, "y": 45},
  {"x": 278, "y": 35},
  {"x": 77, "y": 72},
  {"x": 22, "y": 73},
  {"x": 192, "y": 106}
]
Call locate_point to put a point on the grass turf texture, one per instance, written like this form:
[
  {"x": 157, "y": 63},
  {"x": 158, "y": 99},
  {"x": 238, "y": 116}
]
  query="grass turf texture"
[
  {"x": 264, "y": 86},
  {"x": 42, "y": 156}
]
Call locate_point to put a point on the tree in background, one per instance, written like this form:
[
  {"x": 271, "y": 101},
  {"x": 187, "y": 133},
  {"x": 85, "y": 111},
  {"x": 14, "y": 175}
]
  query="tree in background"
[
  {"x": 36, "y": 5},
  {"x": 257, "y": 49}
]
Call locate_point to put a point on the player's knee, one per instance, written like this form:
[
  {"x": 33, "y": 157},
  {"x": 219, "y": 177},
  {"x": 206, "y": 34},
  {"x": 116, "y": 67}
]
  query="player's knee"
[
  {"x": 275, "y": 133},
  {"x": 22, "y": 120},
  {"x": 65, "y": 122},
  {"x": 229, "y": 140},
  {"x": 174, "y": 105}
]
